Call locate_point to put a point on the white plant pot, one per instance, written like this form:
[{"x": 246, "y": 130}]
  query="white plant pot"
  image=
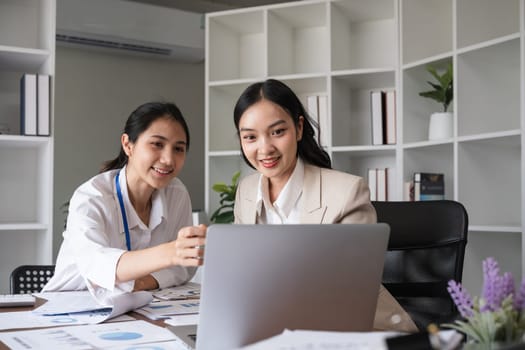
[{"x": 440, "y": 126}]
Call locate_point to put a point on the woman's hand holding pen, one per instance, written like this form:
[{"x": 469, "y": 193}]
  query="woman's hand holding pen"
[{"x": 189, "y": 246}]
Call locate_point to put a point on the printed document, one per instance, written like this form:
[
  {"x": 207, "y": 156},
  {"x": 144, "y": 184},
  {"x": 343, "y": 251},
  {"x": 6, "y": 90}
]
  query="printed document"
[
  {"x": 157, "y": 310},
  {"x": 321, "y": 340},
  {"x": 99, "y": 336}
]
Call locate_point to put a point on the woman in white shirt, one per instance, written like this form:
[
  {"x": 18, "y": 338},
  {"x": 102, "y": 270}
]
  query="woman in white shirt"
[
  {"x": 294, "y": 183},
  {"x": 129, "y": 227}
]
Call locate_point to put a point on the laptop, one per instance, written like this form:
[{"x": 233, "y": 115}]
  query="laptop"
[{"x": 261, "y": 279}]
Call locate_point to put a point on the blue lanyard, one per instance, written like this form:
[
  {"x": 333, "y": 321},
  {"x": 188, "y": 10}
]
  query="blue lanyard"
[{"x": 123, "y": 211}]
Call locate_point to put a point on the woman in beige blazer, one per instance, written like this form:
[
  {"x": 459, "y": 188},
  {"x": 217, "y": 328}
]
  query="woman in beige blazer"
[{"x": 294, "y": 182}]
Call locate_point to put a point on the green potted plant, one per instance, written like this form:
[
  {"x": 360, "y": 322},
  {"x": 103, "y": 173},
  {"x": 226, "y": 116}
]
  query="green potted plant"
[
  {"x": 441, "y": 123},
  {"x": 224, "y": 214}
]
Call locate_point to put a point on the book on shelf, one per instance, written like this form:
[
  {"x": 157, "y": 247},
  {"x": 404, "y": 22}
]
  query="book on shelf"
[
  {"x": 372, "y": 183},
  {"x": 382, "y": 184},
  {"x": 429, "y": 186},
  {"x": 378, "y": 184},
  {"x": 390, "y": 118},
  {"x": 376, "y": 108},
  {"x": 28, "y": 105},
  {"x": 383, "y": 116},
  {"x": 35, "y": 104},
  {"x": 317, "y": 106},
  {"x": 43, "y": 88}
]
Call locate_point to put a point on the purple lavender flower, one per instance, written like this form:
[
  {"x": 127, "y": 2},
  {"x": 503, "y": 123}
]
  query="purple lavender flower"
[
  {"x": 493, "y": 285},
  {"x": 482, "y": 313},
  {"x": 519, "y": 301},
  {"x": 461, "y": 298}
]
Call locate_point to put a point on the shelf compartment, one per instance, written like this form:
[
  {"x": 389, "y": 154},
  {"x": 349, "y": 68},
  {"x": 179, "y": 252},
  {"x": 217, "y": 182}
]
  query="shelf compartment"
[
  {"x": 27, "y": 23},
  {"x": 352, "y": 124},
  {"x": 298, "y": 39},
  {"x": 10, "y": 99},
  {"x": 489, "y": 180},
  {"x": 421, "y": 20},
  {"x": 371, "y": 31},
  {"x": 221, "y": 169},
  {"x": 25, "y": 178},
  {"x": 236, "y": 46},
  {"x": 315, "y": 85},
  {"x": 358, "y": 163},
  {"x": 488, "y": 88},
  {"x": 222, "y": 99},
  {"x": 222, "y": 135},
  {"x": 479, "y": 21},
  {"x": 417, "y": 109},
  {"x": 431, "y": 159}
]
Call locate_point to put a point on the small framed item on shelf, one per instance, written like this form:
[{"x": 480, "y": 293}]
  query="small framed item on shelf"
[{"x": 429, "y": 186}]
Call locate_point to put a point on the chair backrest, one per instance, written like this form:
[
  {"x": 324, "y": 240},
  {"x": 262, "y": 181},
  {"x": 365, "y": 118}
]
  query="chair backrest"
[
  {"x": 27, "y": 279},
  {"x": 426, "y": 249}
]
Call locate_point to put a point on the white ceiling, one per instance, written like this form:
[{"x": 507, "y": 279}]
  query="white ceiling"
[{"x": 203, "y": 6}]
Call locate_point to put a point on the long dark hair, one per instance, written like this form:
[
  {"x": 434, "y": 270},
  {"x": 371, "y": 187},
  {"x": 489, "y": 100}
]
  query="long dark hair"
[
  {"x": 277, "y": 92},
  {"x": 140, "y": 120}
]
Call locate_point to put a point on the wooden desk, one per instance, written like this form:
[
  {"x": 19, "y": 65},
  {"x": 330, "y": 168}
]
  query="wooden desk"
[{"x": 40, "y": 301}]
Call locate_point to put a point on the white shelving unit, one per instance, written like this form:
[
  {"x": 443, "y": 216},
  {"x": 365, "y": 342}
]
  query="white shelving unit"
[
  {"x": 27, "y": 45},
  {"x": 346, "y": 48}
]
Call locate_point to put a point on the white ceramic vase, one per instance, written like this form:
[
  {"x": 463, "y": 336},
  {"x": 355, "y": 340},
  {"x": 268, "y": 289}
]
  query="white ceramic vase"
[{"x": 440, "y": 126}]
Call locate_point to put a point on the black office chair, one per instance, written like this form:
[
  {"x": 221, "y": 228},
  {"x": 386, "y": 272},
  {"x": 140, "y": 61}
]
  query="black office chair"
[
  {"x": 27, "y": 279},
  {"x": 425, "y": 251}
]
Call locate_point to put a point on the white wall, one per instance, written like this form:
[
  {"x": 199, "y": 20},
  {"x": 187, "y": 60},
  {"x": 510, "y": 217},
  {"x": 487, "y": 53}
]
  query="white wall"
[{"x": 95, "y": 92}]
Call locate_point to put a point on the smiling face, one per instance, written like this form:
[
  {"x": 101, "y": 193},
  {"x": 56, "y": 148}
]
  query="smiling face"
[
  {"x": 269, "y": 140},
  {"x": 156, "y": 157}
]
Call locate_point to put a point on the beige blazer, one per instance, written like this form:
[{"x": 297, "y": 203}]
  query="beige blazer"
[{"x": 331, "y": 196}]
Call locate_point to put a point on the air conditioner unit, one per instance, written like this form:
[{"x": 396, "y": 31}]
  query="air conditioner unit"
[{"x": 131, "y": 27}]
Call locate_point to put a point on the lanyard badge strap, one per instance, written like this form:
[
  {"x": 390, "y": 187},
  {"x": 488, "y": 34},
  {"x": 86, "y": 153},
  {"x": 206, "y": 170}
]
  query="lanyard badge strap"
[{"x": 123, "y": 212}]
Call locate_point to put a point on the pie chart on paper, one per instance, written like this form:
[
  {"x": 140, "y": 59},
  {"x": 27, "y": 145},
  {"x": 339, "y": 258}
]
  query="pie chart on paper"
[{"x": 119, "y": 336}]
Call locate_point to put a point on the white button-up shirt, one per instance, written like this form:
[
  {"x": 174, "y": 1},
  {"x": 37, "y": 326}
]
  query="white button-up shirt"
[
  {"x": 94, "y": 238},
  {"x": 287, "y": 207}
]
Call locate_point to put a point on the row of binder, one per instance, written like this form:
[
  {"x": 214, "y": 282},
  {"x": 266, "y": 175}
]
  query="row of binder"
[{"x": 35, "y": 104}]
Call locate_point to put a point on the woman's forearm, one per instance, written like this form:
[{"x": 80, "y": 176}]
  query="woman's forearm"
[{"x": 139, "y": 263}]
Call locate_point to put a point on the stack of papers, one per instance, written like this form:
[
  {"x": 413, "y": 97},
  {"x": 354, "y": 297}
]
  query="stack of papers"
[
  {"x": 73, "y": 308},
  {"x": 189, "y": 290},
  {"x": 157, "y": 310},
  {"x": 120, "y": 335},
  {"x": 83, "y": 314},
  {"x": 174, "y": 302},
  {"x": 83, "y": 304}
]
